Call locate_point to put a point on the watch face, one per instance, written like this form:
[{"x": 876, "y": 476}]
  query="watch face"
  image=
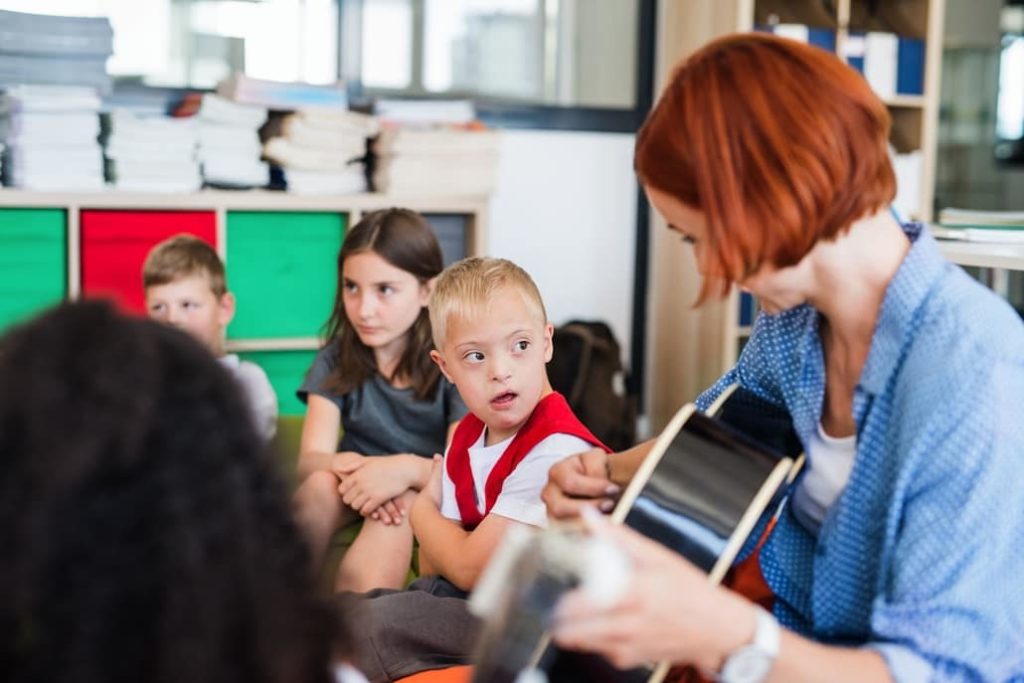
[{"x": 747, "y": 665}]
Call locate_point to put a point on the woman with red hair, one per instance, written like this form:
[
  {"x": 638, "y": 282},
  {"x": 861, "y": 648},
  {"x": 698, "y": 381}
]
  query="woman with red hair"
[{"x": 898, "y": 556}]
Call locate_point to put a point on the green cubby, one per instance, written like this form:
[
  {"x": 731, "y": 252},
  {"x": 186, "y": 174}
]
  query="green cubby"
[
  {"x": 33, "y": 262},
  {"x": 286, "y": 371},
  {"x": 281, "y": 267}
]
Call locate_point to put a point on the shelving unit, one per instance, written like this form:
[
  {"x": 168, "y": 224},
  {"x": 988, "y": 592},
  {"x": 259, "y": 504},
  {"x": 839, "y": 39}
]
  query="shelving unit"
[
  {"x": 689, "y": 348},
  {"x": 280, "y": 251},
  {"x": 984, "y": 255}
]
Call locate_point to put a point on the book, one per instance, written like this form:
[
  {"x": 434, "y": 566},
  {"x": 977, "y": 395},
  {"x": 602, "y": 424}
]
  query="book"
[
  {"x": 910, "y": 66},
  {"x": 425, "y": 113},
  {"x": 881, "y": 55},
  {"x": 282, "y": 95},
  {"x": 954, "y": 217},
  {"x": 980, "y": 226}
]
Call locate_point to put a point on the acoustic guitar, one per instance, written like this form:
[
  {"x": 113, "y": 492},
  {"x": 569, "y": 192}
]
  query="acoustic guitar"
[{"x": 707, "y": 490}]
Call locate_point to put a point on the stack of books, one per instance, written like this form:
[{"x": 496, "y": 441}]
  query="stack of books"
[
  {"x": 980, "y": 226},
  {"x": 50, "y": 50},
  {"x": 433, "y": 146},
  {"x": 229, "y": 143},
  {"x": 320, "y": 150},
  {"x": 51, "y": 138},
  {"x": 455, "y": 161},
  {"x": 149, "y": 153}
]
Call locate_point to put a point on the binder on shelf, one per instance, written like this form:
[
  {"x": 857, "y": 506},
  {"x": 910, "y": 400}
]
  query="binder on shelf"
[
  {"x": 910, "y": 66},
  {"x": 748, "y": 309},
  {"x": 881, "y": 52}
]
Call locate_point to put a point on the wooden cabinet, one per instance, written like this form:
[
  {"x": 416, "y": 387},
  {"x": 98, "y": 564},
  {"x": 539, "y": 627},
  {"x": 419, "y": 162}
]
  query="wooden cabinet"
[{"x": 280, "y": 251}]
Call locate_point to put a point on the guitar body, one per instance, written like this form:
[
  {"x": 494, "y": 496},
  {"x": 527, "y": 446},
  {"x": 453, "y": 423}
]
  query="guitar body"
[{"x": 707, "y": 491}]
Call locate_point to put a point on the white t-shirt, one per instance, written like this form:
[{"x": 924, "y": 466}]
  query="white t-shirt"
[
  {"x": 519, "y": 499},
  {"x": 258, "y": 392},
  {"x": 829, "y": 463}
]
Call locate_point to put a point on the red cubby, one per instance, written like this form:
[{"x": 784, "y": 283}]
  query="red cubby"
[{"x": 115, "y": 244}]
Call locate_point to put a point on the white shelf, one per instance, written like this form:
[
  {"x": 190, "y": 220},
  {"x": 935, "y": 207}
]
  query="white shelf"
[
  {"x": 906, "y": 101},
  {"x": 984, "y": 254},
  {"x": 241, "y": 200},
  {"x": 277, "y": 344}
]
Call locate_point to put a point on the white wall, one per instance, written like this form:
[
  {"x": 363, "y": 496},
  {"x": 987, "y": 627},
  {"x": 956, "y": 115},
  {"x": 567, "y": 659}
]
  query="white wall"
[{"x": 565, "y": 210}]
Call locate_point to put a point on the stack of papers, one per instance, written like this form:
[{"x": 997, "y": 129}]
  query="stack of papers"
[
  {"x": 52, "y": 50},
  {"x": 437, "y": 161},
  {"x": 51, "y": 138},
  {"x": 980, "y": 226},
  {"x": 321, "y": 151},
  {"x": 149, "y": 153},
  {"x": 229, "y": 143}
]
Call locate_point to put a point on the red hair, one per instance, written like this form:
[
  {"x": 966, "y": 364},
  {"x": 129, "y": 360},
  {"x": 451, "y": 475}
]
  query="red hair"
[{"x": 778, "y": 143}]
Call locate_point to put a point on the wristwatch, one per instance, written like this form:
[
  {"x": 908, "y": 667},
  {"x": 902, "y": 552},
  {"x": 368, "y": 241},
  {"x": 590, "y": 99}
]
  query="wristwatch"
[{"x": 752, "y": 662}]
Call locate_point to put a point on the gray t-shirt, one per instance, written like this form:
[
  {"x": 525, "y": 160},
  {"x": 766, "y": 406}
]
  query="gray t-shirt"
[{"x": 378, "y": 419}]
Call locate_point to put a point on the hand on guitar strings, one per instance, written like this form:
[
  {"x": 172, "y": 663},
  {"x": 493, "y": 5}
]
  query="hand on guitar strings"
[
  {"x": 578, "y": 482},
  {"x": 668, "y": 612}
]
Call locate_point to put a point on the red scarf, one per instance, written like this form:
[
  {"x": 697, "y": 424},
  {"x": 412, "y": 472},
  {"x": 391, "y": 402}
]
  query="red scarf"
[{"x": 551, "y": 416}]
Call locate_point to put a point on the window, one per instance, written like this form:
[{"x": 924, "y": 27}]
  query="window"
[
  {"x": 569, "y": 53},
  {"x": 196, "y": 43}
]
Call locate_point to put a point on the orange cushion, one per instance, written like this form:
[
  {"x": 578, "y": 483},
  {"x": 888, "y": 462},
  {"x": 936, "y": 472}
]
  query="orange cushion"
[{"x": 455, "y": 674}]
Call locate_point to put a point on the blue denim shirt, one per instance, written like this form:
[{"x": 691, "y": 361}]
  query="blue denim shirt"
[{"x": 922, "y": 555}]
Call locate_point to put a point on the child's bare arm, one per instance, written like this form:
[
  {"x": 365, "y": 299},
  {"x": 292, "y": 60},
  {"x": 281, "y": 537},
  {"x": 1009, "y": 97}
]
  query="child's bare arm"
[
  {"x": 449, "y": 550},
  {"x": 317, "y": 449},
  {"x": 456, "y": 554}
]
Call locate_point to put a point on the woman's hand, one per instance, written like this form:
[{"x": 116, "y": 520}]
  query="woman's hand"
[
  {"x": 580, "y": 481},
  {"x": 669, "y": 611}
]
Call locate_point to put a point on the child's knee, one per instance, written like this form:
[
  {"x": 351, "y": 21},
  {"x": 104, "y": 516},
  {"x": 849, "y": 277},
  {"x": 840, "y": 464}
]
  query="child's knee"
[{"x": 319, "y": 488}]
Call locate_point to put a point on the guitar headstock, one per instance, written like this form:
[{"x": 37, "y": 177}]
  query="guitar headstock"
[{"x": 518, "y": 592}]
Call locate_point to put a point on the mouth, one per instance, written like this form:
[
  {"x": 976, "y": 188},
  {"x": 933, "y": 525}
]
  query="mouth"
[
  {"x": 504, "y": 400},
  {"x": 366, "y": 331}
]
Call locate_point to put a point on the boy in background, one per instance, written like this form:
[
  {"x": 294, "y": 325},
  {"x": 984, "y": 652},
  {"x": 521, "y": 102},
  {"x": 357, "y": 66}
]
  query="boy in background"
[
  {"x": 493, "y": 341},
  {"x": 185, "y": 286}
]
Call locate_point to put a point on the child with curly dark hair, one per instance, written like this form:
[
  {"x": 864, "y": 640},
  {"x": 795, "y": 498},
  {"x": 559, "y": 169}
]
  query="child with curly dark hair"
[{"x": 146, "y": 533}]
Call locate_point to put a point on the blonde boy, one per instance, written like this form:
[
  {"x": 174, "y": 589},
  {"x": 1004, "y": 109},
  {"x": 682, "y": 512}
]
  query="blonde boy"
[
  {"x": 185, "y": 286},
  {"x": 493, "y": 341}
]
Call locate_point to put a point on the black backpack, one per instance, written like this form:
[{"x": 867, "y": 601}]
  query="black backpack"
[{"x": 587, "y": 369}]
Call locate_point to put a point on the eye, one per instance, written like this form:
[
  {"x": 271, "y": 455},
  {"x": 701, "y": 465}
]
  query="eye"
[
  {"x": 521, "y": 345},
  {"x": 386, "y": 290},
  {"x": 349, "y": 287},
  {"x": 474, "y": 357},
  {"x": 689, "y": 239},
  {"x": 156, "y": 308}
]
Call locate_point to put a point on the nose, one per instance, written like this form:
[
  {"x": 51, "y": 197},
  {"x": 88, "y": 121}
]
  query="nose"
[
  {"x": 367, "y": 305},
  {"x": 175, "y": 316},
  {"x": 500, "y": 368}
]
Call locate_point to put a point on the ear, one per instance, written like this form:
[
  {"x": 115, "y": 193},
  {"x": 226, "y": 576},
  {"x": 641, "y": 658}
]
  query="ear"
[
  {"x": 226, "y": 309},
  {"x": 549, "y": 347},
  {"x": 439, "y": 360}
]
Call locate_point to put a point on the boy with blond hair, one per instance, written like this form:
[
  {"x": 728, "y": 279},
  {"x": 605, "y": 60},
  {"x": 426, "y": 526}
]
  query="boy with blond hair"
[
  {"x": 186, "y": 287},
  {"x": 493, "y": 341}
]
